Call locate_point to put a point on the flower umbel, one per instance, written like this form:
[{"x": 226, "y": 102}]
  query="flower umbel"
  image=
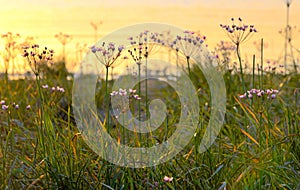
[
  {"x": 107, "y": 54},
  {"x": 188, "y": 43},
  {"x": 36, "y": 57},
  {"x": 240, "y": 32},
  {"x": 270, "y": 93}
]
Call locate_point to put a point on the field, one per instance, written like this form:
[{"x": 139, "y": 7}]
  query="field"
[{"x": 43, "y": 144}]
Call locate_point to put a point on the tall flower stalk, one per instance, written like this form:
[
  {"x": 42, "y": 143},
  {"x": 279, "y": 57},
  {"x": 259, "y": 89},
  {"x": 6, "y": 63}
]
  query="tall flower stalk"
[
  {"x": 11, "y": 47},
  {"x": 143, "y": 45},
  {"x": 36, "y": 58},
  {"x": 64, "y": 39},
  {"x": 239, "y": 33},
  {"x": 107, "y": 54}
]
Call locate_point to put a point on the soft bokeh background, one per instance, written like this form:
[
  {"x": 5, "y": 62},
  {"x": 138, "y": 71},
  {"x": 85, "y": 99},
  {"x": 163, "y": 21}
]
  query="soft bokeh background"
[{"x": 44, "y": 19}]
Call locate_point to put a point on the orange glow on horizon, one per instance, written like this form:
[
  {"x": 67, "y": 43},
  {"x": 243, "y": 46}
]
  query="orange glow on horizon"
[{"x": 47, "y": 20}]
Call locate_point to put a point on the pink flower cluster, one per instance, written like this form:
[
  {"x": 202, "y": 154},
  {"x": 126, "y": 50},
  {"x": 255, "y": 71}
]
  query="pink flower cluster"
[
  {"x": 238, "y": 33},
  {"x": 235, "y": 27},
  {"x": 53, "y": 89},
  {"x": 270, "y": 93},
  {"x": 46, "y": 55},
  {"x": 188, "y": 43},
  {"x": 5, "y": 106},
  {"x": 123, "y": 92},
  {"x": 168, "y": 179},
  {"x": 107, "y": 54},
  {"x": 37, "y": 57}
]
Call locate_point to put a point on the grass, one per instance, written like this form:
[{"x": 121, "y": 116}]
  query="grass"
[{"x": 257, "y": 148}]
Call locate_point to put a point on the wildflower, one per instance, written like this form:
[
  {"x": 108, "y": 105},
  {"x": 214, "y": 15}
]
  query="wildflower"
[
  {"x": 45, "y": 86},
  {"x": 143, "y": 44},
  {"x": 94, "y": 49},
  {"x": 243, "y": 96},
  {"x": 253, "y": 91},
  {"x": 36, "y": 58},
  {"x": 4, "y": 107},
  {"x": 270, "y": 93},
  {"x": 107, "y": 55},
  {"x": 120, "y": 48},
  {"x": 60, "y": 89},
  {"x": 240, "y": 32},
  {"x": 26, "y": 54},
  {"x": 28, "y": 107},
  {"x": 259, "y": 94},
  {"x": 122, "y": 92},
  {"x": 2, "y": 102},
  {"x": 136, "y": 96},
  {"x": 17, "y": 106},
  {"x": 132, "y": 91},
  {"x": 168, "y": 179},
  {"x": 273, "y": 96},
  {"x": 113, "y": 93},
  {"x": 188, "y": 43}
]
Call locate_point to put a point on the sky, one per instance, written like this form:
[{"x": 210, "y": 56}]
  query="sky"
[{"x": 44, "y": 19}]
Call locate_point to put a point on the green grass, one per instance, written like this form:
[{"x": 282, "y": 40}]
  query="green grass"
[{"x": 258, "y": 147}]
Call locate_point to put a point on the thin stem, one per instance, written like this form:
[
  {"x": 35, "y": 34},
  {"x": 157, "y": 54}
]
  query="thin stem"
[
  {"x": 188, "y": 63},
  {"x": 286, "y": 35},
  {"x": 253, "y": 72},
  {"x": 146, "y": 94},
  {"x": 139, "y": 105},
  {"x": 177, "y": 66},
  {"x": 107, "y": 100},
  {"x": 262, "y": 62},
  {"x": 253, "y": 75},
  {"x": 42, "y": 110},
  {"x": 124, "y": 135},
  {"x": 241, "y": 66},
  {"x": 293, "y": 58},
  {"x": 146, "y": 87},
  {"x": 64, "y": 52}
]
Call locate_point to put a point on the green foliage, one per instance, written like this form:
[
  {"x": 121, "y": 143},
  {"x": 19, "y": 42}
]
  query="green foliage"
[{"x": 258, "y": 147}]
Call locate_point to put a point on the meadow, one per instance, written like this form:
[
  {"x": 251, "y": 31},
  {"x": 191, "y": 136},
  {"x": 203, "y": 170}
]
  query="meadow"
[{"x": 257, "y": 147}]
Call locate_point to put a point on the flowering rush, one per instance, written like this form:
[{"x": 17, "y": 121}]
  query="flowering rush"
[
  {"x": 188, "y": 43},
  {"x": 238, "y": 32},
  {"x": 168, "y": 179},
  {"x": 123, "y": 92},
  {"x": 143, "y": 44},
  {"x": 53, "y": 89},
  {"x": 107, "y": 54},
  {"x": 6, "y": 106},
  {"x": 35, "y": 56},
  {"x": 270, "y": 93}
]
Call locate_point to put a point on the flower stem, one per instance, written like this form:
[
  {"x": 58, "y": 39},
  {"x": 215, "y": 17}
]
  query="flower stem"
[
  {"x": 146, "y": 99},
  {"x": 139, "y": 88},
  {"x": 241, "y": 66},
  {"x": 37, "y": 78},
  {"x": 107, "y": 99},
  {"x": 188, "y": 63},
  {"x": 262, "y": 62}
]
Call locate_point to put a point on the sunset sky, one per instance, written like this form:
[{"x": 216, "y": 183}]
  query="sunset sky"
[{"x": 44, "y": 19}]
